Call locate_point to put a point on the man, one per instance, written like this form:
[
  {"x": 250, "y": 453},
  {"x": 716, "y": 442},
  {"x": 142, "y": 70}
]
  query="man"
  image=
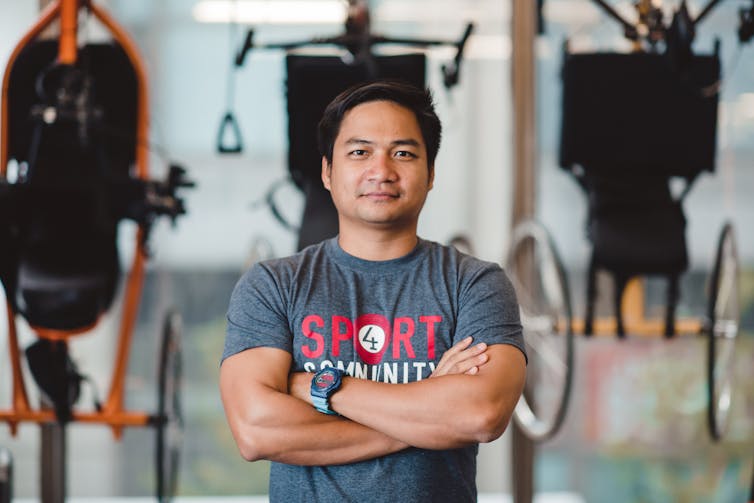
[{"x": 369, "y": 367}]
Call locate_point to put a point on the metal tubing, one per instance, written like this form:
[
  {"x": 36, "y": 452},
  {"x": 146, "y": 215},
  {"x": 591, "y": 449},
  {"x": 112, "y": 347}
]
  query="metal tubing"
[
  {"x": 706, "y": 10},
  {"x": 614, "y": 14},
  {"x": 523, "y": 29},
  {"x": 53, "y": 463},
  {"x": 114, "y": 402},
  {"x": 6, "y": 476},
  {"x": 67, "y": 47},
  {"x": 45, "y": 19}
]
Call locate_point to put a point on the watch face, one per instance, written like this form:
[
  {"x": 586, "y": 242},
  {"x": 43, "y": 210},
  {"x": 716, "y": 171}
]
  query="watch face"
[{"x": 324, "y": 380}]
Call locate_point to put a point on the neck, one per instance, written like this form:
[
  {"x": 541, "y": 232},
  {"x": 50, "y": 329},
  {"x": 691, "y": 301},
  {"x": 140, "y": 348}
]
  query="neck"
[{"x": 378, "y": 245}]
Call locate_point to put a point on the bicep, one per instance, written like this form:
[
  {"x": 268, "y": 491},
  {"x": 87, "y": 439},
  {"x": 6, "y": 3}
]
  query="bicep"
[{"x": 504, "y": 374}]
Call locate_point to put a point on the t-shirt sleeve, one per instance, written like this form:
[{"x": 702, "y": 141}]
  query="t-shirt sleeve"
[
  {"x": 488, "y": 310},
  {"x": 256, "y": 314}
]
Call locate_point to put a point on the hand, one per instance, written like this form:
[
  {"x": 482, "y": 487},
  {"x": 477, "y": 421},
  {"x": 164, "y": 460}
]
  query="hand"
[{"x": 462, "y": 359}]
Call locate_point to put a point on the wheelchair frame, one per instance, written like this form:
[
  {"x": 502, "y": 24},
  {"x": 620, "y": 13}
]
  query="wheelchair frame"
[
  {"x": 548, "y": 322},
  {"x": 112, "y": 413}
]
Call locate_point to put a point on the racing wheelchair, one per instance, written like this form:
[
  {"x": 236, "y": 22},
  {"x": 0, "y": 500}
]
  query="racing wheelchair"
[
  {"x": 631, "y": 126},
  {"x": 74, "y": 163}
]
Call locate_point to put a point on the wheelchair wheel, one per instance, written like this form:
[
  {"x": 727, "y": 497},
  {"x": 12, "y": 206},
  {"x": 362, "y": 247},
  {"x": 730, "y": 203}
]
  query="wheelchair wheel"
[
  {"x": 541, "y": 285},
  {"x": 169, "y": 424},
  {"x": 722, "y": 329}
]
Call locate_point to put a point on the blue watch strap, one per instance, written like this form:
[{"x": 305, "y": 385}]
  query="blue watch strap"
[{"x": 323, "y": 405}]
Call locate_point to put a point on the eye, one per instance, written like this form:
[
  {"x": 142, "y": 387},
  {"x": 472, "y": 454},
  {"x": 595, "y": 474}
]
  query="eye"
[
  {"x": 359, "y": 152},
  {"x": 405, "y": 154}
]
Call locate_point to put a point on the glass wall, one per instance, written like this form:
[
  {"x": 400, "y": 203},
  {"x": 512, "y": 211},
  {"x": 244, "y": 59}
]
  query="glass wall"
[{"x": 636, "y": 428}]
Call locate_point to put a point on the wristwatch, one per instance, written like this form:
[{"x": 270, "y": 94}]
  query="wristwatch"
[{"x": 324, "y": 383}]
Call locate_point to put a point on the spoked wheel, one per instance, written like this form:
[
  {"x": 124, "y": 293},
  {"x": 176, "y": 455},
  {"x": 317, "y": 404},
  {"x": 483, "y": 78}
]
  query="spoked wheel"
[
  {"x": 169, "y": 420},
  {"x": 537, "y": 273},
  {"x": 722, "y": 328}
]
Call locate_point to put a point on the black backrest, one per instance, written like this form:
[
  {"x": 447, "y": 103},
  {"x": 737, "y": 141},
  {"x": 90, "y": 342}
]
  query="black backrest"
[
  {"x": 115, "y": 90},
  {"x": 64, "y": 258},
  {"x": 631, "y": 113}
]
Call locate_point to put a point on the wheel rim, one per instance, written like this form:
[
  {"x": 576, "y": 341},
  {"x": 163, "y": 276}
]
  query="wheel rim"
[
  {"x": 723, "y": 314},
  {"x": 169, "y": 411},
  {"x": 539, "y": 279}
]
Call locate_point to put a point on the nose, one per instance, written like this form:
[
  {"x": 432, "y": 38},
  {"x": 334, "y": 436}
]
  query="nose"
[{"x": 381, "y": 168}]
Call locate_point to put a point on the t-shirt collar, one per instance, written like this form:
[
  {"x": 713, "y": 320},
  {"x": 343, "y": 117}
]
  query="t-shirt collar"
[{"x": 333, "y": 249}]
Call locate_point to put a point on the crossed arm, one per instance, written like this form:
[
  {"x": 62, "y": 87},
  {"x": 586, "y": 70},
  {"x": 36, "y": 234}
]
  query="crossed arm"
[{"x": 468, "y": 399}]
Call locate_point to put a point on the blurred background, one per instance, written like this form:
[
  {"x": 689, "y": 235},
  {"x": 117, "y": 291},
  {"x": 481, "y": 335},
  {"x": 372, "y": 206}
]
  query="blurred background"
[{"x": 635, "y": 430}]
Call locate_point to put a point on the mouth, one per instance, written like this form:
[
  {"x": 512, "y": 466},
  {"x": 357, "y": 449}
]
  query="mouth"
[{"x": 380, "y": 196}]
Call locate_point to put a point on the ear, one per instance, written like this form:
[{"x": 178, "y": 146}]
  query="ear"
[
  {"x": 326, "y": 170},
  {"x": 431, "y": 177}
]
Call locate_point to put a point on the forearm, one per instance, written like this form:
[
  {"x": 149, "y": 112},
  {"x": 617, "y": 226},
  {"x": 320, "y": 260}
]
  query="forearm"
[
  {"x": 311, "y": 438},
  {"x": 269, "y": 424},
  {"x": 443, "y": 413},
  {"x": 446, "y": 412}
]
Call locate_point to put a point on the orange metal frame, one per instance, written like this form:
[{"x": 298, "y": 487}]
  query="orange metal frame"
[{"x": 112, "y": 413}]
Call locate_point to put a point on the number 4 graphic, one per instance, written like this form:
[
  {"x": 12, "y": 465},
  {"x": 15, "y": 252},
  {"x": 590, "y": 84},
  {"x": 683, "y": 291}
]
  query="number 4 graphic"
[{"x": 373, "y": 342}]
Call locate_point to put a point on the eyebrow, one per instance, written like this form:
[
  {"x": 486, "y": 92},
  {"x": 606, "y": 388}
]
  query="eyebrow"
[{"x": 406, "y": 141}]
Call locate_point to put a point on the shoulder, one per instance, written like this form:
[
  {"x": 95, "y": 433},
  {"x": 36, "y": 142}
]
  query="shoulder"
[
  {"x": 471, "y": 273},
  {"x": 274, "y": 278}
]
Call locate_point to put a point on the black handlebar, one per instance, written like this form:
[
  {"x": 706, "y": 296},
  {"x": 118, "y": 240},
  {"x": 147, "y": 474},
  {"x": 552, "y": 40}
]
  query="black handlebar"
[{"x": 349, "y": 40}]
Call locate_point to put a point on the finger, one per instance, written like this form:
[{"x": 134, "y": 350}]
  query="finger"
[
  {"x": 469, "y": 363},
  {"x": 450, "y": 354},
  {"x": 459, "y": 352},
  {"x": 469, "y": 353},
  {"x": 462, "y": 362},
  {"x": 476, "y": 349}
]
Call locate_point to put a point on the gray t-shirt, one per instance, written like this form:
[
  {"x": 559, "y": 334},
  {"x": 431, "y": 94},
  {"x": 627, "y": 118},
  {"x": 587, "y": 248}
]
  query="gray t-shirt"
[{"x": 388, "y": 321}]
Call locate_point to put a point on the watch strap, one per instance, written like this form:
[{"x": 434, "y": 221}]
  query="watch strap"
[{"x": 322, "y": 404}]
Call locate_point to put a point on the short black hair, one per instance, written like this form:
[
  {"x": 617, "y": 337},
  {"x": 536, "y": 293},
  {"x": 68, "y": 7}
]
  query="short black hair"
[{"x": 419, "y": 101}]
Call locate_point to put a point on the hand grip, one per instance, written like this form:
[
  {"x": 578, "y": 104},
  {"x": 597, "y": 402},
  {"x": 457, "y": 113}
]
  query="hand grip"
[{"x": 229, "y": 122}]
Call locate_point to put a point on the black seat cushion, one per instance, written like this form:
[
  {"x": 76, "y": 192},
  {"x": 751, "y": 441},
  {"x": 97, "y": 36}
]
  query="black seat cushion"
[
  {"x": 67, "y": 273},
  {"x": 65, "y": 284},
  {"x": 650, "y": 243},
  {"x": 635, "y": 225}
]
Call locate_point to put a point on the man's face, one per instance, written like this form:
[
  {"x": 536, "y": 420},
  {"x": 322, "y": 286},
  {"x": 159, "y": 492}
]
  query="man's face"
[{"x": 379, "y": 175}]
